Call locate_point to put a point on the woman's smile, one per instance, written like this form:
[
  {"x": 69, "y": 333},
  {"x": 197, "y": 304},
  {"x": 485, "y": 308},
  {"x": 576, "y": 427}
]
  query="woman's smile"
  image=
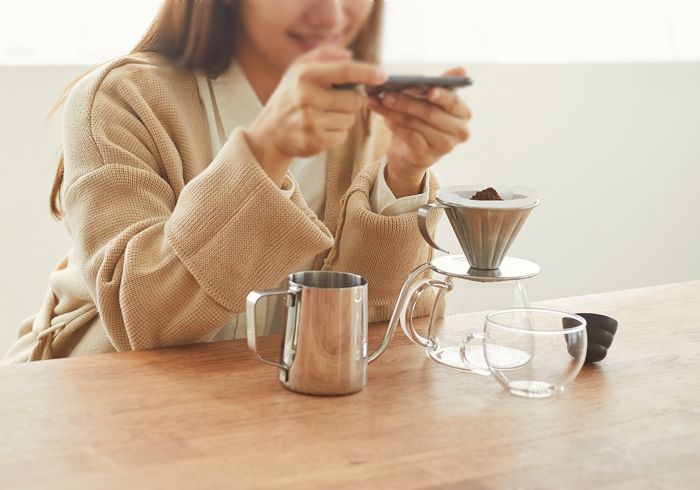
[{"x": 307, "y": 42}]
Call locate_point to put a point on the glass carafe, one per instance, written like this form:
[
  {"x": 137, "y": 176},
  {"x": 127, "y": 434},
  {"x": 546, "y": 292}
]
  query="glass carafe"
[{"x": 464, "y": 296}]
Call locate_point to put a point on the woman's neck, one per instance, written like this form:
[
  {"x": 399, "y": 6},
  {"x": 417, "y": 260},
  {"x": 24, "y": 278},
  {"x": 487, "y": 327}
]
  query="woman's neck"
[{"x": 262, "y": 76}]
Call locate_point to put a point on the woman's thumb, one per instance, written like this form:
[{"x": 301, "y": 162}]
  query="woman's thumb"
[{"x": 457, "y": 71}]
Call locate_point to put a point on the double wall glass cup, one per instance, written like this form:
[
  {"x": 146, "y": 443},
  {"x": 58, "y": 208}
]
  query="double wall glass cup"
[{"x": 553, "y": 343}]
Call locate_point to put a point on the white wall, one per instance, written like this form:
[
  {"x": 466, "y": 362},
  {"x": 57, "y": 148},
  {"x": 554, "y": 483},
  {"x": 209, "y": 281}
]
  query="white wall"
[{"x": 612, "y": 149}]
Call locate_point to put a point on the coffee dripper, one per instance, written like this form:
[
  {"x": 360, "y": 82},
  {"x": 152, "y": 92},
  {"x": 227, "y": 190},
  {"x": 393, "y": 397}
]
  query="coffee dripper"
[{"x": 485, "y": 230}]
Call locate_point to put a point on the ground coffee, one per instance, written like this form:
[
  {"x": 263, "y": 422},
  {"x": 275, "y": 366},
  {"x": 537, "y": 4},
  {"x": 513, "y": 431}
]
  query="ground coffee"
[{"x": 488, "y": 194}]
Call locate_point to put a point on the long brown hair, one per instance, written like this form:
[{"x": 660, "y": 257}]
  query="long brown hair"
[{"x": 199, "y": 35}]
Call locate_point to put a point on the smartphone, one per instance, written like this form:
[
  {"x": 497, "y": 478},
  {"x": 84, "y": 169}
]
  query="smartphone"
[
  {"x": 400, "y": 83},
  {"x": 415, "y": 84}
]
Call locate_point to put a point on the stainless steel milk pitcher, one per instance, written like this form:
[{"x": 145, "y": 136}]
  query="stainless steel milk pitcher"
[{"x": 324, "y": 347}]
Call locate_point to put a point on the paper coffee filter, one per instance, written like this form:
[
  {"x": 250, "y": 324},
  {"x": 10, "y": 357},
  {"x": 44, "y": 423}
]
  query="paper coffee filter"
[{"x": 514, "y": 197}]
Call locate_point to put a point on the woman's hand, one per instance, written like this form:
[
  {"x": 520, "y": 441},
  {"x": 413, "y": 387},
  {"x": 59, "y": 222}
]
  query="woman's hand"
[
  {"x": 305, "y": 114},
  {"x": 423, "y": 131}
]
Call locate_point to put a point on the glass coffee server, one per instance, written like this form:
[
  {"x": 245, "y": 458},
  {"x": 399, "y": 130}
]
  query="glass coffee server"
[{"x": 466, "y": 286}]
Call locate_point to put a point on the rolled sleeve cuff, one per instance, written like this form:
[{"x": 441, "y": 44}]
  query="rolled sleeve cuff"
[
  {"x": 288, "y": 186},
  {"x": 384, "y": 202}
]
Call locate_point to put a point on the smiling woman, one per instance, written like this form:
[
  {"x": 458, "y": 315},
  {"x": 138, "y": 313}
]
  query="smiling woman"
[
  {"x": 206, "y": 36},
  {"x": 218, "y": 158}
]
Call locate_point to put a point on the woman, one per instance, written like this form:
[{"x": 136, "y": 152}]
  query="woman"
[{"x": 218, "y": 158}]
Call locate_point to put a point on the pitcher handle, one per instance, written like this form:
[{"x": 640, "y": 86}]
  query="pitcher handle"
[
  {"x": 407, "y": 314},
  {"x": 423, "y": 225},
  {"x": 251, "y": 330}
]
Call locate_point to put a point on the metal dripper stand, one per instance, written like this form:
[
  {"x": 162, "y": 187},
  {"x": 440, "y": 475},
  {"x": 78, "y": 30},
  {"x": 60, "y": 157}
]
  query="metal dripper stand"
[{"x": 486, "y": 230}]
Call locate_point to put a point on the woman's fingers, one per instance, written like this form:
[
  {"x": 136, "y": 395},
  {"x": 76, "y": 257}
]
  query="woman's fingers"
[
  {"x": 437, "y": 141},
  {"x": 315, "y": 123},
  {"x": 331, "y": 139},
  {"x": 421, "y": 109},
  {"x": 329, "y": 73},
  {"x": 334, "y": 121},
  {"x": 449, "y": 101},
  {"x": 441, "y": 140},
  {"x": 457, "y": 71},
  {"x": 350, "y": 101},
  {"x": 415, "y": 141}
]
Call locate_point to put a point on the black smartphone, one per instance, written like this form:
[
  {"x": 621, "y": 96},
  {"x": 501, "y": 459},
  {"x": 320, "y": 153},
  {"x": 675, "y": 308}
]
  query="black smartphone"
[
  {"x": 399, "y": 83},
  {"x": 414, "y": 84}
]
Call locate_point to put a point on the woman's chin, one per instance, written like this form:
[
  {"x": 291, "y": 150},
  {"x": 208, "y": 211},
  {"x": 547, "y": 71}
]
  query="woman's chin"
[{"x": 305, "y": 45}]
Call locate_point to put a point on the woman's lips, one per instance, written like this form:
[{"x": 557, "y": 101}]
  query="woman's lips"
[{"x": 307, "y": 43}]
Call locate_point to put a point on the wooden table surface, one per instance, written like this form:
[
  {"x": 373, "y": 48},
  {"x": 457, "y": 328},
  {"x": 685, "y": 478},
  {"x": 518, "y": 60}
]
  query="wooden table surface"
[{"x": 210, "y": 416}]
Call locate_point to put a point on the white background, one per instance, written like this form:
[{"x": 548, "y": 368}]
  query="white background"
[
  {"x": 610, "y": 141},
  {"x": 89, "y": 31}
]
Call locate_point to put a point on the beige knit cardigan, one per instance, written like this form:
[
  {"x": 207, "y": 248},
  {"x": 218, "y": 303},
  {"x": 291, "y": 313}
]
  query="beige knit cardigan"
[{"x": 168, "y": 240}]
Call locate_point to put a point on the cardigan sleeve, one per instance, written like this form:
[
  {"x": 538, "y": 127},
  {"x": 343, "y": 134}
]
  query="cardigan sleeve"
[
  {"x": 382, "y": 199},
  {"x": 169, "y": 266},
  {"x": 383, "y": 249}
]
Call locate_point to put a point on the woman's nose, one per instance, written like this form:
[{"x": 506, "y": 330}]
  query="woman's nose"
[{"x": 325, "y": 14}]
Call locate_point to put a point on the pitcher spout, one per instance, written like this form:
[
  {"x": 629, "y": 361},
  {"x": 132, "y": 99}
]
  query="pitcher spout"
[{"x": 402, "y": 302}]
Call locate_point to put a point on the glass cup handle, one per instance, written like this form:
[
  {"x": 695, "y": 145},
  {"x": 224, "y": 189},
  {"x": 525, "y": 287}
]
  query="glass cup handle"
[
  {"x": 465, "y": 343},
  {"x": 423, "y": 225},
  {"x": 251, "y": 308},
  {"x": 407, "y": 312}
]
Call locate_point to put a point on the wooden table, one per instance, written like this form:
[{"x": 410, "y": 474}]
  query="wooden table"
[{"x": 210, "y": 416}]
